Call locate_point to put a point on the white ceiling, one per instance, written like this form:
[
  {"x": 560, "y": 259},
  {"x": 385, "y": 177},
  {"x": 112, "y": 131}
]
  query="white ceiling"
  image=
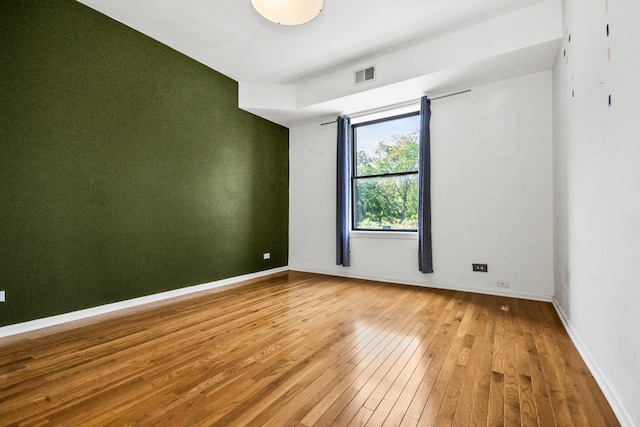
[{"x": 230, "y": 37}]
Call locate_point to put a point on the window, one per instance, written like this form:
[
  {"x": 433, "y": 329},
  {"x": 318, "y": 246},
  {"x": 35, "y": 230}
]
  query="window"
[{"x": 385, "y": 174}]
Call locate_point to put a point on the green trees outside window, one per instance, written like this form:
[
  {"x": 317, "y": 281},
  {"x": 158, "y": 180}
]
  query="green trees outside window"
[{"x": 385, "y": 181}]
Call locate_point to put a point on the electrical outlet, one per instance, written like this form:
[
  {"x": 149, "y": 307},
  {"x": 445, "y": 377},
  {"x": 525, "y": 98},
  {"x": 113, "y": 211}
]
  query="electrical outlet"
[
  {"x": 266, "y": 255},
  {"x": 2, "y": 296},
  {"x": 502, "y": 284},
  {"x": 480, "y": 267}
]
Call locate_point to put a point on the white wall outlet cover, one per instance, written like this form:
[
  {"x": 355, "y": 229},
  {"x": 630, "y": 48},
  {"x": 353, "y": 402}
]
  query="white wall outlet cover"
[{"x": 2, "y": 296}]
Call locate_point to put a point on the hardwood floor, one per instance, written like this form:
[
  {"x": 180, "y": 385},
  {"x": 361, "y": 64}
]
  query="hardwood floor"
[{"x": 308, "y": 350}]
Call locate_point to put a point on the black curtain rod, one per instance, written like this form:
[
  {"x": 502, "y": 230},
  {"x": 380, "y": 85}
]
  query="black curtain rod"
[{"x": 365, "y": 113}]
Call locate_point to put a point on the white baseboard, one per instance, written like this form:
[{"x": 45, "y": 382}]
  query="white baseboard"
[
  {"x": 617, "y": 405},
  {"x": 60, "y": 319},
  {"x": 495, "y": 292}
]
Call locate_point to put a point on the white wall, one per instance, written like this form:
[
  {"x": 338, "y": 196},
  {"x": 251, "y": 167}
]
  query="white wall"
[
  {"x": 491, "y": 196},
  {"x": 597, "y": 193}
]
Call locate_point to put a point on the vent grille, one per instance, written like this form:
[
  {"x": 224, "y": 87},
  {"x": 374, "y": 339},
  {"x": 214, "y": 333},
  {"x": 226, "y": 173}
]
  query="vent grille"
[{"x": 364, "y": 75}]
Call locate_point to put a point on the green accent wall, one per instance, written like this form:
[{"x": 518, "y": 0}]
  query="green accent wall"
[{"x": 126, "y": 168}]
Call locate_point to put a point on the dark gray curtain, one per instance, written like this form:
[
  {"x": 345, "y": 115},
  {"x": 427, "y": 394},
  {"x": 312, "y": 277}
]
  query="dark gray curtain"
[
  {"x": 344, "y": 191},
  {"x": 425, "y": 260}
]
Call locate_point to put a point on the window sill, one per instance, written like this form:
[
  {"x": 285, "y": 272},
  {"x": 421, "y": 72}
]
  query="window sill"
[{"x": 405, "y": 235}]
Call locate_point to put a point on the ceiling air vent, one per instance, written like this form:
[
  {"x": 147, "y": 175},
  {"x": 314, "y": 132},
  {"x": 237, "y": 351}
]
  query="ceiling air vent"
[{"x": 364, "y": 75}]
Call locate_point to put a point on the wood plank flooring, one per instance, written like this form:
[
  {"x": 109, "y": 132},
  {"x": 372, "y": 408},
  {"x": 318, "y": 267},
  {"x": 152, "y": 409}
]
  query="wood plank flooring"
[{"x": 308, "y": 350}]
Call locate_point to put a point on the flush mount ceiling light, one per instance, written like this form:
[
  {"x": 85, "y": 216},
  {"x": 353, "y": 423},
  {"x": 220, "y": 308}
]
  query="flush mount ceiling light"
[{"x": 288, "y": 12}]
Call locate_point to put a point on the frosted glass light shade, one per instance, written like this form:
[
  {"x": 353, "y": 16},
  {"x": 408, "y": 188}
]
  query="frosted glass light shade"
[{"x": 288, "y": 12}]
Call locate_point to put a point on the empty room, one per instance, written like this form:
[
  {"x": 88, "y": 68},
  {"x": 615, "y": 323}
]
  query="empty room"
[{"x": 319, "y": 213}]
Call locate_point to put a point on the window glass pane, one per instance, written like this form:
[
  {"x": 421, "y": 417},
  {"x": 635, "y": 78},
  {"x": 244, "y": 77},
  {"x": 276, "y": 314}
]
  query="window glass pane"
[
  {"x": 390, "y": 146},
  {"x": 386, "y": 203}
]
